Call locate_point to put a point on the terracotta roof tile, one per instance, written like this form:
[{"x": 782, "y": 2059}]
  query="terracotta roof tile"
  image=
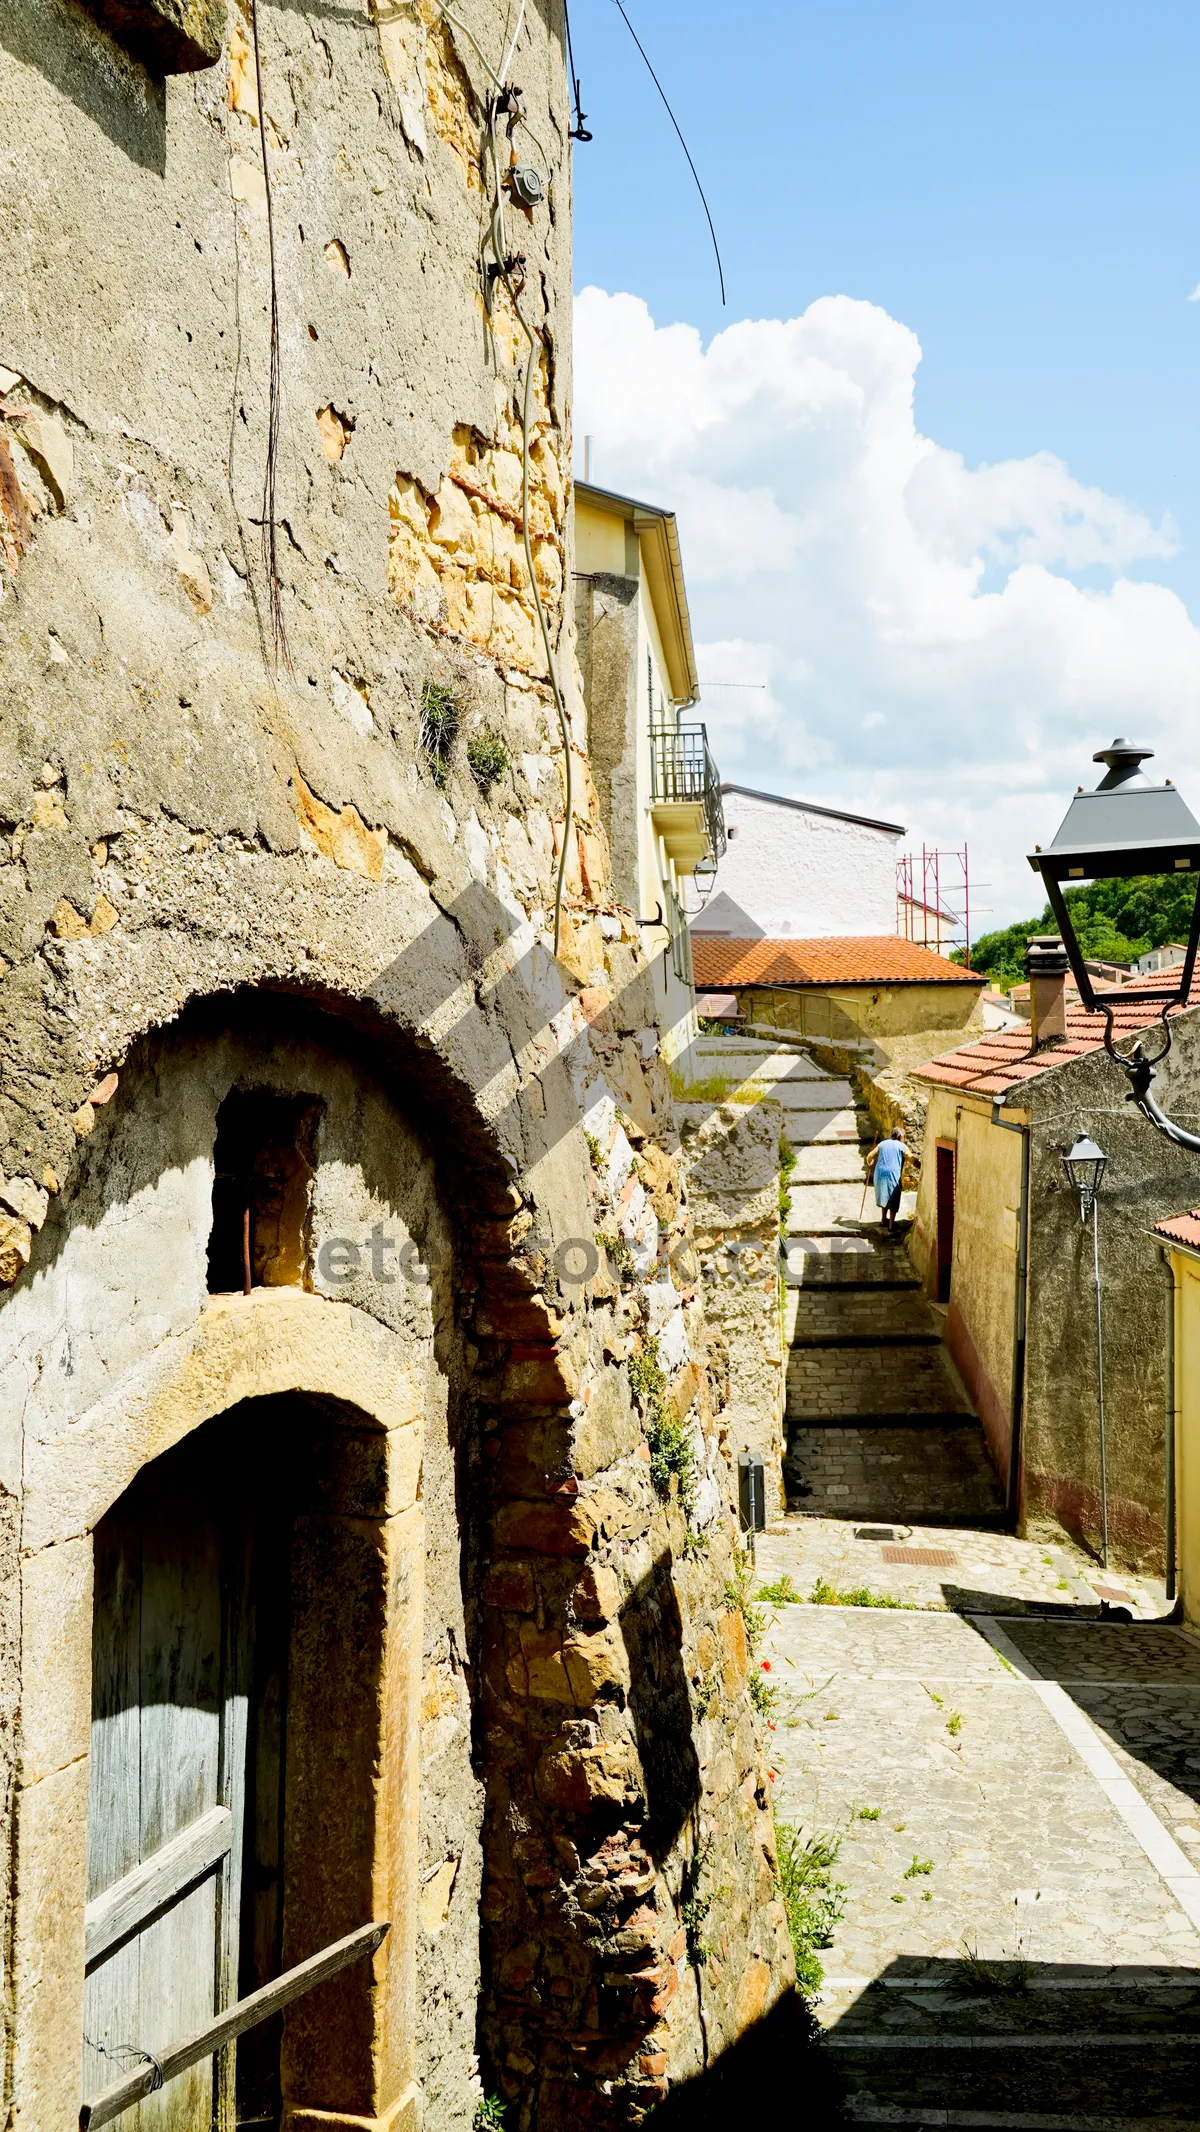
[
  {"x": 1004, "y": 1058},
  {"x": 854, "y": 959},
  {"x": 1181, "y": 1228}
]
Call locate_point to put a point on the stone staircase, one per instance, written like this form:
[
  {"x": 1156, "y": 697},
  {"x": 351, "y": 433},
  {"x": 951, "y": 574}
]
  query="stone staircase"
[{"x": 879, "y": 1424}]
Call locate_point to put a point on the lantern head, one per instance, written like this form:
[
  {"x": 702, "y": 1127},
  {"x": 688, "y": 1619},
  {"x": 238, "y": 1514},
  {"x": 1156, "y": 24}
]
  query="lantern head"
[
  {"x": 1128, "y": 825},
  {"x": 1085, "y": 1166}
]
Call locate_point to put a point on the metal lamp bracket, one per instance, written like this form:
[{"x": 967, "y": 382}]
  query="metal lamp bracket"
[{"x": 1139, "y": 1069}]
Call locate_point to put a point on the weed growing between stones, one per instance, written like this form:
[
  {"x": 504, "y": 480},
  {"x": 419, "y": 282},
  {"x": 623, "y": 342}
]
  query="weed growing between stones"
[
  {"x": 487, "y": 759},
  {"x": 707, "y": 1693},
  {"x": 782, "y": 1593},
  {"x": 813, "y": 1901},
  {"x": 919, "y": 1865},
  {"x": 716, "y": 1088},
  {"x": 489, "y": 2114},
  {"x": 995, "y": 1976},
  {"x": 737, "y": 1597},
  {"x": 618, "y": 1251},
  {"x": 670, "y": 1442},
  {"x": 595, "y": 1151},
  {"x": 763, "y": 1693},
  {"x": 826, "y": 1594},
  {"x": 441, "y": 715},
  {"x": 694, "y": 1907},
  {"x": 787, "y": 1163}
]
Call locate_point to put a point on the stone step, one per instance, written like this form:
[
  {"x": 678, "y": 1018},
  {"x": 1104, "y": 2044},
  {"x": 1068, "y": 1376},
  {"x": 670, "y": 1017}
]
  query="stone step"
[
  {"x": 837, "y": 1164},
  {"x": 828, "y": 1383},
  {"x": 1099, "y": 2079},
  {"x": 915, "y": 1475},
  {"x": 816, "y": 1128},
  {"x": 814, "y": 1094},
  {"x": 840, "y": 1263},
  {"x": 833, "y": 1343},
  {"x": 844, "y": 1314},
  {"x": 838, "y": 1210}
]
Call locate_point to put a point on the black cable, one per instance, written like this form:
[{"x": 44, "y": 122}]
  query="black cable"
[
  {"x": 683, "y": 144},
  {"x": 270, "y": 550},
  {"x": 578, "y": 131}
]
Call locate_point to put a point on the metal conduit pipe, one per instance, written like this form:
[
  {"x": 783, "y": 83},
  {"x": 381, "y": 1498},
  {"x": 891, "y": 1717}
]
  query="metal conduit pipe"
[
  {"x": 1017, "y": 1419},
  {"x": 1170, "y": 1419}
]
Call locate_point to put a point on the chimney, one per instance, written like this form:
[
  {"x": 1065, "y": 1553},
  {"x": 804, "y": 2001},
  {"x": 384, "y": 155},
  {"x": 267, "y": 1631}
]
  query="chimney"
[{"x": 1046, "y": 969}]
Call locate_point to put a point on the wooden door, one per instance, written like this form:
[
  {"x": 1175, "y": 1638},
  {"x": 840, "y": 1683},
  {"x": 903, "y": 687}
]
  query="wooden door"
[
  {"x": 945, "y": 1221},
  {"x": 171, "y": 1667}
]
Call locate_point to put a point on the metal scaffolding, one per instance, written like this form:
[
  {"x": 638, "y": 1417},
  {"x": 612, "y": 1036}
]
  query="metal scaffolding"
[{"x": 933, "y": 899}]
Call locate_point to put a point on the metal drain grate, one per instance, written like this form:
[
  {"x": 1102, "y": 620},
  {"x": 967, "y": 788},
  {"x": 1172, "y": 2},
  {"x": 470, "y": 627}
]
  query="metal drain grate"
[{"x": 921, "y": 1557}]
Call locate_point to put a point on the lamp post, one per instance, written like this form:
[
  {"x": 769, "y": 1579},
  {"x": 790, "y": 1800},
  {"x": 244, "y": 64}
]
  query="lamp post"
[
  {"x": 1126, "y": 826},
  {"x": 1085, "y": 1165}
]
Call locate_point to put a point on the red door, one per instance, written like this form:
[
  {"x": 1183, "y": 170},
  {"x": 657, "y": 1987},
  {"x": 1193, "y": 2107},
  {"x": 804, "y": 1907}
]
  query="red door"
[{"x": 945, "y": 1221}]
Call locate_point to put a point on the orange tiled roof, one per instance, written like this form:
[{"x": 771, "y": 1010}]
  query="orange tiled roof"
[
  {"x": 862, "y": 959},
  {"x": 1005, "y": 1058},
  {"x": 1181, "y": 1228}
]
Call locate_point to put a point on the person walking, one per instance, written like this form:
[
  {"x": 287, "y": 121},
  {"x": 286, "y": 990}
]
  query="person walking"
[{"x": 885, "y": 1169}]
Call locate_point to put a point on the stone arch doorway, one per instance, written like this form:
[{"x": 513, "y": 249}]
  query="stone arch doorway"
[
  {"x": 239, "y": 1620},
  {"x": 331, "y": 1482}
]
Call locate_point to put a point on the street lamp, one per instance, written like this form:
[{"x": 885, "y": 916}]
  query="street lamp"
[
  {"x": 1085, "y": 1166},
  {"x": 1126, "y": 826}
]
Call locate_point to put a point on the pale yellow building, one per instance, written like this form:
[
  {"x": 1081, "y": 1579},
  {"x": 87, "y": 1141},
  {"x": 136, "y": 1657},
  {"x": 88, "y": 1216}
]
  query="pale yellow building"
[
  {"x": 1181, "y": 1239},
  {"x": 659, "y": 789}
]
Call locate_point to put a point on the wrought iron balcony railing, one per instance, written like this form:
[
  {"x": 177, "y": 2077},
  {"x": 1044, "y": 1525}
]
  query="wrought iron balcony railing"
[{"x": 682, "y": 770}]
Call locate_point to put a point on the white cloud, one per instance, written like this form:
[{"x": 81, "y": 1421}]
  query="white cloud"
[
  {"x": 1194, "y": 298},
  {"x": 880, "y": 586}
]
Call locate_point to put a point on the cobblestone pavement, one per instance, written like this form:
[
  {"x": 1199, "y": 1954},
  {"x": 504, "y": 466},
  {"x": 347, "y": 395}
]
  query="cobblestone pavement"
[{"x": 1015, "y": 1799}]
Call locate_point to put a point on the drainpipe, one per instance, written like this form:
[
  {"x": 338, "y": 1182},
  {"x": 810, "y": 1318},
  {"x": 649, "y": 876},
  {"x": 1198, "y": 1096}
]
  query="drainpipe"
[
  {"x": 1165, "y": 1256},
  {"x": 1019, "y": 1315}
]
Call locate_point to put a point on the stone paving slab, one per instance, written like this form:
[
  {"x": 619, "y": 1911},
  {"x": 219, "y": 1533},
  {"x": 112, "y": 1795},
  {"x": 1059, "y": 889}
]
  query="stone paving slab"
[
  {"x": 993, "y": 1572},
  {"x": 1028, "y": 1860}
]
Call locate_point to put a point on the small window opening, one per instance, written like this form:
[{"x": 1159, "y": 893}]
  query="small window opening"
[{"x": 262, "y": 1193}]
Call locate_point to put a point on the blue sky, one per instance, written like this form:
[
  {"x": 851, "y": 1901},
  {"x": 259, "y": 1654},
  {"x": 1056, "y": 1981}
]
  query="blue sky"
[{"x": 1014, "y": 186}]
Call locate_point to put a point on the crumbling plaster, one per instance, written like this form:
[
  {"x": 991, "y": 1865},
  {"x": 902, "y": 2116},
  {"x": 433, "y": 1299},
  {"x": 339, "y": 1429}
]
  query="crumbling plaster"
[{"x": 187, "y": 818}]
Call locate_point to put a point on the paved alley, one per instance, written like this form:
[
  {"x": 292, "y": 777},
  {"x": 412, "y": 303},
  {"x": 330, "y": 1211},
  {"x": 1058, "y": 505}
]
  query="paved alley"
[
  {"x": 1015, "y": 1802},
  {"x": 1011, "y": 1782}
]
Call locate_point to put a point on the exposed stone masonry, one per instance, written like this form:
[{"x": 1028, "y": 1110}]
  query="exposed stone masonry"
[{"x": 188, "y": 828}]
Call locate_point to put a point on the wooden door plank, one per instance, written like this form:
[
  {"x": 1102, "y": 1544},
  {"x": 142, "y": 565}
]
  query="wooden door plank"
[
  {"x": 112, "y": 1993},
  {"x": 178, "y": 2057},
  {"x": 133, "y": 1901}
]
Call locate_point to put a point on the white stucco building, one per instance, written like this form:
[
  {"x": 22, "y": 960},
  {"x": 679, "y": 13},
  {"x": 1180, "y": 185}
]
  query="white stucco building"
[{"x": 792, "y": 868}]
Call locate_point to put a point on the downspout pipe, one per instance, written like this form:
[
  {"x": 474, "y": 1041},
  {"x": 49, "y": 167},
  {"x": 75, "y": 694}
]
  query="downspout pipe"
[
  {"x": 1017, "y": 1422},
  {"x": 1171, "y": 1420}
]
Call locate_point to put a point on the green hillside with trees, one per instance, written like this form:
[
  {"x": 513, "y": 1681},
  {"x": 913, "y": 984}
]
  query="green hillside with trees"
[{"x": 1116, "y": 921}]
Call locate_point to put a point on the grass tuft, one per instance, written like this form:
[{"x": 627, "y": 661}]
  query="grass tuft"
[
  {"x": 813, "y": 1901},
  {"x": 487, "y": 759},
  {"x": 826, "y": 1594}
]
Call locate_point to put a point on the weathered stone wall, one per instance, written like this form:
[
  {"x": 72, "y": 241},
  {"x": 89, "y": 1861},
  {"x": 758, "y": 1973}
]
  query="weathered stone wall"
[
  {"x": 1147, "y": 1177},
  {"x": 194, "y": 815},
  {"x": 731, "y": 1164}
]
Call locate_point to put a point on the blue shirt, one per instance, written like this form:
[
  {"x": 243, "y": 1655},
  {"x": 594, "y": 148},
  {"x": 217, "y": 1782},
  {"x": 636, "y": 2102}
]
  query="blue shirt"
[{"x": 889, "y": 1167}]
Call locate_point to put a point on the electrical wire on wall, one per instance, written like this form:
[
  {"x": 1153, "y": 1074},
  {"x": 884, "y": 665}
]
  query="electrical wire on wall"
[
  {"x": 270, "y": 549},
  {"x": 504, "y": 266},
  {"x": 579, "y": 130}
]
